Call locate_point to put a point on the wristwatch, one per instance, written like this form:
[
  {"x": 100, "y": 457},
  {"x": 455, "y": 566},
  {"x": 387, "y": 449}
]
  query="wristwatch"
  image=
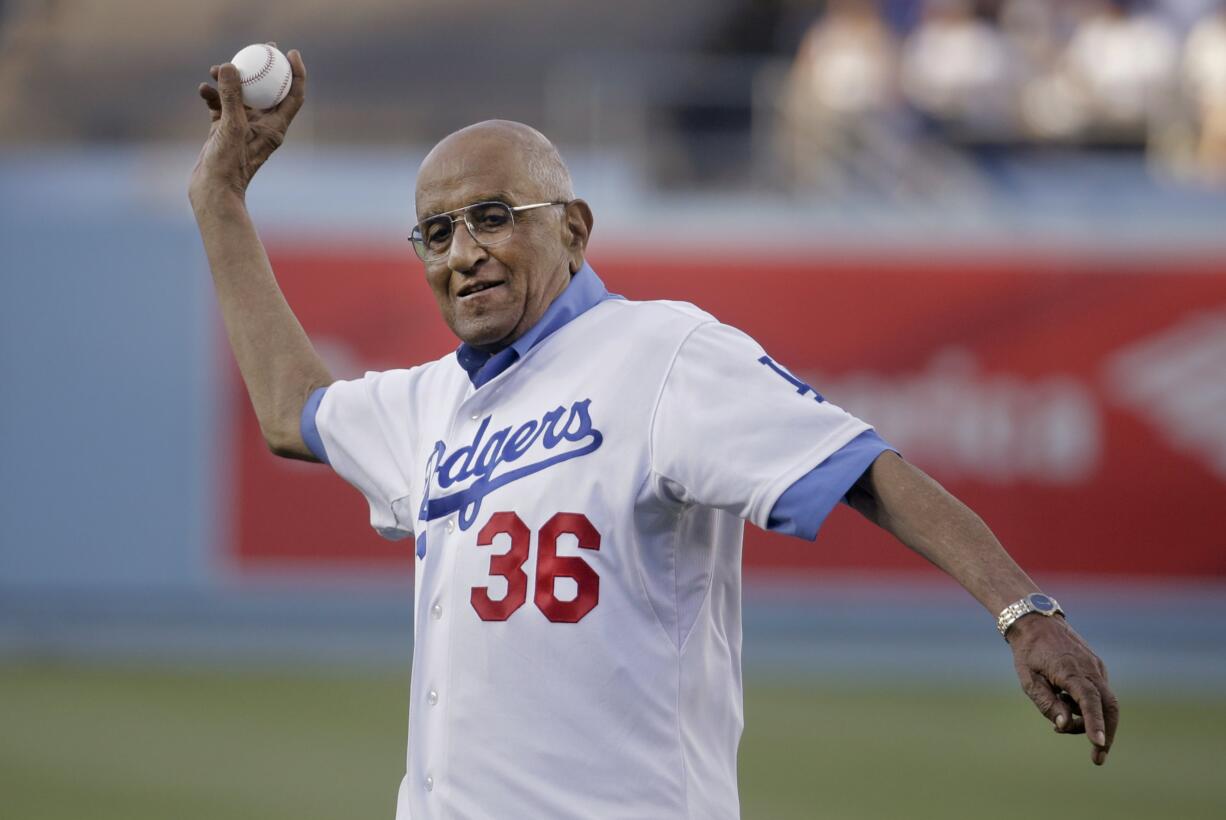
[{"x": 1034, "y": 602}]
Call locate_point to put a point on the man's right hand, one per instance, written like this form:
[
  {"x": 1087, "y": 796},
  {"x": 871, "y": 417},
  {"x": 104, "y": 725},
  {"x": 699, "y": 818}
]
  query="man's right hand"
[
  {"x": 279, "y": 366},
  {"x": 241, "y": 139}
]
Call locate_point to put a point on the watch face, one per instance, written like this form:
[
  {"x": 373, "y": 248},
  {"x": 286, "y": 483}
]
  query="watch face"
[{"x": 1042, "y": 603}]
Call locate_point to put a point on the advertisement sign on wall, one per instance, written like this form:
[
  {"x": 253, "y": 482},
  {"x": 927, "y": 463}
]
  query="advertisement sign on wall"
[{"x": 1078, "y": 404}]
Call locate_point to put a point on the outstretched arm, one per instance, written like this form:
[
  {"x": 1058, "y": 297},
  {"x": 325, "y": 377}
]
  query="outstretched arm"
[
  {"x": 275, "y": 357},
  {"x": 1064, "y": 678}
]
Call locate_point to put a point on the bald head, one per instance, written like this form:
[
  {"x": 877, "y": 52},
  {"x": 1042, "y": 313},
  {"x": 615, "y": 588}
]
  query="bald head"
[
  {"x": 491, "y": 292},
  {"x": 510, "y": 148}
]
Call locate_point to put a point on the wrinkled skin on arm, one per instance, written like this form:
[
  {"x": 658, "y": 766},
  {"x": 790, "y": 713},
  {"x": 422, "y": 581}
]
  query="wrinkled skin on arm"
[
  {"x": 279, "y": 366},
  {"x": 1057, "y": 670}
]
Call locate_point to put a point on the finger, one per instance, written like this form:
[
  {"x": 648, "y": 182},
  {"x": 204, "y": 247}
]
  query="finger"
[
  {"x": 211, "y": 97},
  {"x": 1046, "y": 699},
  {"x": 1073, "y": 723},
  {"x": 1111, "y": 711},
  {"x": 297, "y": 66},
  {"x": 1090, "y": 704},
  {"x": 230, "y": 89},
  {"x": 1076, "y": 726},
  {"x": 213, "y": 71},
  {"x": 297, "y": 88}
]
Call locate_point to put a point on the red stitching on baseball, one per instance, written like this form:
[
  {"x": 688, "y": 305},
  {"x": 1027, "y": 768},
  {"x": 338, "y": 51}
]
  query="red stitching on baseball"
[
  {"x": 263, "y": 72},
  {"x": 284, "y": 82}
]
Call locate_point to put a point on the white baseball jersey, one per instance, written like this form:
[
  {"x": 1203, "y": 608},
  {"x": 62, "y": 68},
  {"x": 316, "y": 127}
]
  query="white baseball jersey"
[{"x": 578, "y": 521}]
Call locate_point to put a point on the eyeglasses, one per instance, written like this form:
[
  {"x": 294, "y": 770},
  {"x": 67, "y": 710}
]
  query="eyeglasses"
[{"x": 488, "y": 223}]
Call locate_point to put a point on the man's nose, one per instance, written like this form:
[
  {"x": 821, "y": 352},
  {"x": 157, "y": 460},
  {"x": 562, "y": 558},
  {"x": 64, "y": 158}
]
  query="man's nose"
[{"x": 465, "y": 253}]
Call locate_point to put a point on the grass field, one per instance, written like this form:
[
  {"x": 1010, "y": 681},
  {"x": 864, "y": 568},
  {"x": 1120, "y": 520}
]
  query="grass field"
[{"x": 130, "y": 743}]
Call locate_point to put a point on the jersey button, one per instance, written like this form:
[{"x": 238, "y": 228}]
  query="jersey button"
[
  {"x": 436, "y": 611},
  {"x": 450, "y": 525},
  {"x": 429, "y": 783},
  {"x": 475, "y": 416},
  {"x": 432, "y": 697}
]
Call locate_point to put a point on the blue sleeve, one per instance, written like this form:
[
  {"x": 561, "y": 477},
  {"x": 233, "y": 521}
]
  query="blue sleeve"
[
  {"x": 306, "y": 424},
  {"x": 804, "y": 506}
]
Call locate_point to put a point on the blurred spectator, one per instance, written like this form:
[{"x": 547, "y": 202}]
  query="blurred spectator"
[
  {"x": 1204, "y": 72},
  {"x": 1123, "y": 61},
  {"x": 1183, "y": 14},
  {"x": 846, "y": 65},
  {"x": 1001, "y": 74},
  {"x": 840, "y": 93},
  {"x": 1036, "y": 31},
  {"x": 957, "y": 69}
]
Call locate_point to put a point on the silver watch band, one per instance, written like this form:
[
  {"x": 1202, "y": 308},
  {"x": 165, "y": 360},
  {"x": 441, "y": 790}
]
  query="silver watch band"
[{"x": 1034, "y": 602}]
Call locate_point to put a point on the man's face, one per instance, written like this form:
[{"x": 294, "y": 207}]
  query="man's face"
[{"x": 490, "y": 296}]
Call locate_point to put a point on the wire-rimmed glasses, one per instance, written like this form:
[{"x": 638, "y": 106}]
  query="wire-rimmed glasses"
[{"x": 488, "y": 223}]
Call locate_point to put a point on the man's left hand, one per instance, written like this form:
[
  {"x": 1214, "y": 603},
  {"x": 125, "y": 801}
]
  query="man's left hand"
[{"x": 1065, "y": 679}]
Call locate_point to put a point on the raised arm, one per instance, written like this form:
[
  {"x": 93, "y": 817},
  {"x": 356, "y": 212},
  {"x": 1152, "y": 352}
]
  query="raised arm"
[
  {"x": 1064, "y": 678},
  {"x": 275, "y": 357}
]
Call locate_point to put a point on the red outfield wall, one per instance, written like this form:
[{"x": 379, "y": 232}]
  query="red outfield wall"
[{"x": 1077, "y": 403}]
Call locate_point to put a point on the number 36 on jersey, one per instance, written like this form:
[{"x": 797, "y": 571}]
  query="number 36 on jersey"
[{"x": 508, "y": 526}]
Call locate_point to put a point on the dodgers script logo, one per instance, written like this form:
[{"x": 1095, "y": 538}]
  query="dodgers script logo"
[{"x": 561, "y": 434}]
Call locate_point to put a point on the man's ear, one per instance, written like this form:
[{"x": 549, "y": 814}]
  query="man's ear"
[{"x": 577, "y": 224}]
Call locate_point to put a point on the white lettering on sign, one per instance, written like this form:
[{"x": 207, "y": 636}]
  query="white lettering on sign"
[{"x": 955, "y": 420}]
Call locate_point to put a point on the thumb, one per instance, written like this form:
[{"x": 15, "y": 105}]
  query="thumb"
[
  {"x": 230, "y": 89},
  {"x": 1046, "y": 699}
]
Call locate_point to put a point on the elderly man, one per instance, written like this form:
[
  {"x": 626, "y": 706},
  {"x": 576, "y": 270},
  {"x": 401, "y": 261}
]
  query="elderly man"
[{"x": 575, "y": 477}]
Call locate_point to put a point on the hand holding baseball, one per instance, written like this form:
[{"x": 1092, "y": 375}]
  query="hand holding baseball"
[{"x": 241, "y": 139}]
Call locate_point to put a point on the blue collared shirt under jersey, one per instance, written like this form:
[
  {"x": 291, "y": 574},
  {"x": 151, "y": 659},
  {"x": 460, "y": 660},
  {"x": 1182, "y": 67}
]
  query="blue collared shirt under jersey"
[
  {"x": 584, "y": 292},
  {"x": 799, "y": 511}
]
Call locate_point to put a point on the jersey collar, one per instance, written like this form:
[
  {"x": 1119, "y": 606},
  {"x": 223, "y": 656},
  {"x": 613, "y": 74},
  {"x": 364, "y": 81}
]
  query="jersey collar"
[{"x": 584, "y": 292}]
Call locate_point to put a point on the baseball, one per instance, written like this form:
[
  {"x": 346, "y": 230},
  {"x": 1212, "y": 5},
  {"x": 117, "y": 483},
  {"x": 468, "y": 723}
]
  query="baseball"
[{"x": 265, "y": 73}]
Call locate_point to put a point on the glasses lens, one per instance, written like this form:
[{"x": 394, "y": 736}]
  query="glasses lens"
[
  {"x": 418, "y": 244},
  {"x": 490, "y": 222},
  {"x": 432, "y": 238}
]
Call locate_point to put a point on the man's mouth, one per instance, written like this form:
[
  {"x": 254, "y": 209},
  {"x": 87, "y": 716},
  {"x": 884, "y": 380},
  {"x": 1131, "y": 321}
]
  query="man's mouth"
[{"x": 473, "y": 288}]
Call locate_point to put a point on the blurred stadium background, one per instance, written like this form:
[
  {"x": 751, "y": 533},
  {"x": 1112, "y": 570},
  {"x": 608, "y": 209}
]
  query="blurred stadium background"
[{"x": 995, "y": 229}]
